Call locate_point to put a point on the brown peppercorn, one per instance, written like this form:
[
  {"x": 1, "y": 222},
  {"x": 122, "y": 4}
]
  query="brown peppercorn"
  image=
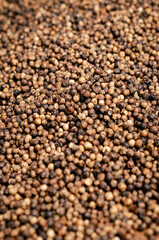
[
  {"x": 88, "y": 145},
  {"x": 88, "y": 181},
  {"x": 132, "y": 143},
  {"x": 82, "y": 80},
  {"x": 122, "y": 186},
  {"x": 79, "y": 120},
  {"x": 109, "y": 196},
  {"x": 38, "y": 121}
]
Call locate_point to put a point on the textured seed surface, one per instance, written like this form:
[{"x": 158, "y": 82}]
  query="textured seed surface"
[{"x": 79, "y": 123}]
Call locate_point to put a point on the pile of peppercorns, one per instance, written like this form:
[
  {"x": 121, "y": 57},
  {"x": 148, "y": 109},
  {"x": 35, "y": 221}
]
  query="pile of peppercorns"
[{"x": 79, "y": 123}]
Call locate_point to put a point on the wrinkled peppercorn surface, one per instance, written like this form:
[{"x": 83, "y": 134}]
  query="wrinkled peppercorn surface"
[{"x": 79, "y": 132}]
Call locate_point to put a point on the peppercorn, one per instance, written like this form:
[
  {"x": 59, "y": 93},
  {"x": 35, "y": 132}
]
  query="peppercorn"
[{"x": 79, "y": 119}]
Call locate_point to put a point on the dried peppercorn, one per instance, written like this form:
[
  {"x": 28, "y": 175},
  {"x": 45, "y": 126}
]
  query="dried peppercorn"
[{"x": 79, "y": 130}]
